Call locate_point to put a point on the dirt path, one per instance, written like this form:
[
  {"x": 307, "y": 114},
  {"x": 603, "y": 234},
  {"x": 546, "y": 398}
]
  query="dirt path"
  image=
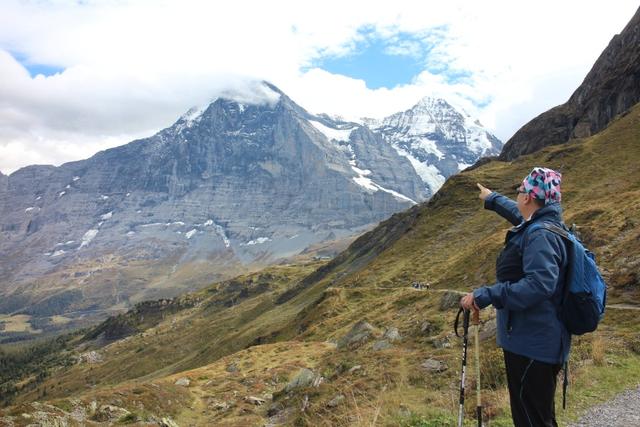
[{"x": 621, "y": 411}]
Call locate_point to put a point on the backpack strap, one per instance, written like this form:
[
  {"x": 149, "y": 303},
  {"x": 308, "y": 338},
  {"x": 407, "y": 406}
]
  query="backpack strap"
[{"x": 564, "y": 233}]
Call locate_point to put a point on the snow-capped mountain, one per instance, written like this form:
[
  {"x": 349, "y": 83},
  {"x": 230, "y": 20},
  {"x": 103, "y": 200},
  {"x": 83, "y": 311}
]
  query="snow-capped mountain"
[
  {"x": 228, "y": 186},
  {"x": 438, "y": 139}
]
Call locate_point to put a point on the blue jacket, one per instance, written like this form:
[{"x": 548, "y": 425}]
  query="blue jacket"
[{"x": 527, "y": 309}]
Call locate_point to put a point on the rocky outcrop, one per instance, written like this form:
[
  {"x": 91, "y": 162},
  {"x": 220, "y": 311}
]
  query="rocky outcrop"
[{"x": 609, "y": 89}]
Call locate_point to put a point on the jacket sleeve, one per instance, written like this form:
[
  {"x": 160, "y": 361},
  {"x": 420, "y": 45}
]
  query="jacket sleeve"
[
  {"x": 541, "y": 261},
  {"x": 503, "y": 206}
]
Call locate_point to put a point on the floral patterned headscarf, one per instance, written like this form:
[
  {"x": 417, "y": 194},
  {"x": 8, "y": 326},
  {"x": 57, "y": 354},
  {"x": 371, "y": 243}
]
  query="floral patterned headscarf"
[{"x": 543, "y": 184}]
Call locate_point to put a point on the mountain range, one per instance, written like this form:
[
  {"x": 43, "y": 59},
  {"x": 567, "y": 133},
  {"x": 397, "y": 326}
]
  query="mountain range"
[{"x": 229, "y": 187}]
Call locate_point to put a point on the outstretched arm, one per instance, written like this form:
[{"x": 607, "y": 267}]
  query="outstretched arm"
[{"x": 502, "y": 205}]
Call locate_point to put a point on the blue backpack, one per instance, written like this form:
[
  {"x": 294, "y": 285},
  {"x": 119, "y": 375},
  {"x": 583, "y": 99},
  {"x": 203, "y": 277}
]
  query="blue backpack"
[{"x": 585, "y": 292}]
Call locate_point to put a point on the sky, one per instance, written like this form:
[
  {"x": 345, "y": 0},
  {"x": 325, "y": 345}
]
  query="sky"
[{"x": 77, "y": 77}]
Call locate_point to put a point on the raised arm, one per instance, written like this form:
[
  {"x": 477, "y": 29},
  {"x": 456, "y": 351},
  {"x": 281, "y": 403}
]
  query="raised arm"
[{"x": 502, "y": 205}]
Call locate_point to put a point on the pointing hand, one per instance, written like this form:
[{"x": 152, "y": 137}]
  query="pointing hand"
[{"x": 484, "y": 192}]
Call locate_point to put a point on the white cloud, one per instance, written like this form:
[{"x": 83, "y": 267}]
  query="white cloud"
[{"x": 133, "y": 67}]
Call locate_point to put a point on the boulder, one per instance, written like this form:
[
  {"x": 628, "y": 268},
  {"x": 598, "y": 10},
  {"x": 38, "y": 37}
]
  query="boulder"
[
  {"x": 382, "y": 345},
  {"x": 392, "y": 334},
  {"x": 442, "y": 342},
  {"x": 336, "y": 401},
  {"x": 359, "y": 334},
  {"x": 184, "y": 381},
  {"x": 488, "y": 330},
  {"x": 167, "y": 422},
  {"x": 450, "y": 299},
  {"x": 304, "y": 378},
  {"x": 433, "y": 365},
  {"x": 427, "y": 328}
]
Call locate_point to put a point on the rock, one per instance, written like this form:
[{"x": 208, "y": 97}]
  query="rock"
[
  {"x": 184, "y": 381},
  {"x": 444, "y": 342},
  {"x": 336, "y": 401},
  {"x": 434, "y": 365},
  {"x": 488, "y": 329},
  {"x": 91, "y": 357},
  {"x": 168, "y": 422},
  {"x": 232, "y": 367},
  {"x": 392, "y": 334},
  {"x": 428, "y": 328},
  {"x": 254, "y": 400},
  {"x": 109, "y": 413},
  {"x": 354, "y": 369},
  {"x": 382, "y": 345},
  {"x": 304, "y": 378},
  {"x": 359, "y": 334},
  {"x": 450, "y": 299},
  {"x": 218, "y": 405},
  {"x": 404, "y": 412}
]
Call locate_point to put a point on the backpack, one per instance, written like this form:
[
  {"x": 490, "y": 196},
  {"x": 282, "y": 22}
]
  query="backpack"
[{"x": 585, "y": 292}]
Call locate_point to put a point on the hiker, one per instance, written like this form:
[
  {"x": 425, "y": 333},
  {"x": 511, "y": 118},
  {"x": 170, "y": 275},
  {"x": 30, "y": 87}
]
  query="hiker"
[{"x": 530, "y": 274}]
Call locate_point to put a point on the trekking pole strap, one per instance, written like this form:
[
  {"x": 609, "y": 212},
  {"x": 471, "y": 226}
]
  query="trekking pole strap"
[{"x": 465, "y": 323}]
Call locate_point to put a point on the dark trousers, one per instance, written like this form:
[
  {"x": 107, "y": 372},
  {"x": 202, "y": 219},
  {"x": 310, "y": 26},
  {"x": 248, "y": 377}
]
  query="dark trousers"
[{"x": 532, "y": 387}]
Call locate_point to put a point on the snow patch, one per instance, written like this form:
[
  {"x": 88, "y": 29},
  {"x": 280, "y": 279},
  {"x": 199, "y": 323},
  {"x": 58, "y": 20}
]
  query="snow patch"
[
  {"x": 68, "y": 186},
  {"x": 190, "y": 233},
  {"x": 75, "y": 178},
  {"x": 131, "y": 233},
  {"x": 107, "y": 216},
  {"x": 58, "y": 253},
  {"x": 258, "y": 241},
  {"x": 62, "y": 193},
  {"x": 463, "y": 166},
  {"x": 154, "y": 224},
  {"x": 219, "y": 230},
  {"x": 29, "y": 209},
  {"x": 369, "y": 185},
  {"x": 429, "y": 174},
  {"x": 38, "y": 198},
  {"x": 332, "y": 134},
  {"x": 88, "y": 237},
  {"x": 103, "y": 197}
]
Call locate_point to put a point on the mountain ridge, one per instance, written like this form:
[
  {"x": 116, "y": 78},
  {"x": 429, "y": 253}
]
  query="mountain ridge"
[{"x": 610, "y": 88}]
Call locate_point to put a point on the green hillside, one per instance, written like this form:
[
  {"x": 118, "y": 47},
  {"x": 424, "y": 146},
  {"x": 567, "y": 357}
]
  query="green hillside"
[{"x": 249, "y": 337}]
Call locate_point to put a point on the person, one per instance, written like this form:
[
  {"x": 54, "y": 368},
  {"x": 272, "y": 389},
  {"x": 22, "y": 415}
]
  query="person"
[{"x": 530, "y": 274}]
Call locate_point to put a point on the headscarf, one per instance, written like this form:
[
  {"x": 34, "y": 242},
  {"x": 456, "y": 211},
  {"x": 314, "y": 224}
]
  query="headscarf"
[{"x": 543, "y": 184}]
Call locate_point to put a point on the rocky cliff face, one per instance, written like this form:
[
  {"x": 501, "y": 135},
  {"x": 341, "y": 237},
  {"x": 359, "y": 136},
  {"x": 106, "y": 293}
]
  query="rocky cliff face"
[
  {"x": 437, "y": 139},
  {"x": 611, "y": 88},
  {"x": 228, "y": 185}
]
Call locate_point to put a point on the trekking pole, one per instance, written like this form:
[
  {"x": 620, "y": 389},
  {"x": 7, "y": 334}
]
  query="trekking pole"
[
  {"x": 465, "y": 335},
  {"x": 475, "y": 318}
]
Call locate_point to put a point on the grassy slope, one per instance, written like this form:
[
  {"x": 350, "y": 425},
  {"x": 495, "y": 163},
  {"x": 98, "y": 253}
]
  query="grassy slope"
[{"x": 450, "y": 242}]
